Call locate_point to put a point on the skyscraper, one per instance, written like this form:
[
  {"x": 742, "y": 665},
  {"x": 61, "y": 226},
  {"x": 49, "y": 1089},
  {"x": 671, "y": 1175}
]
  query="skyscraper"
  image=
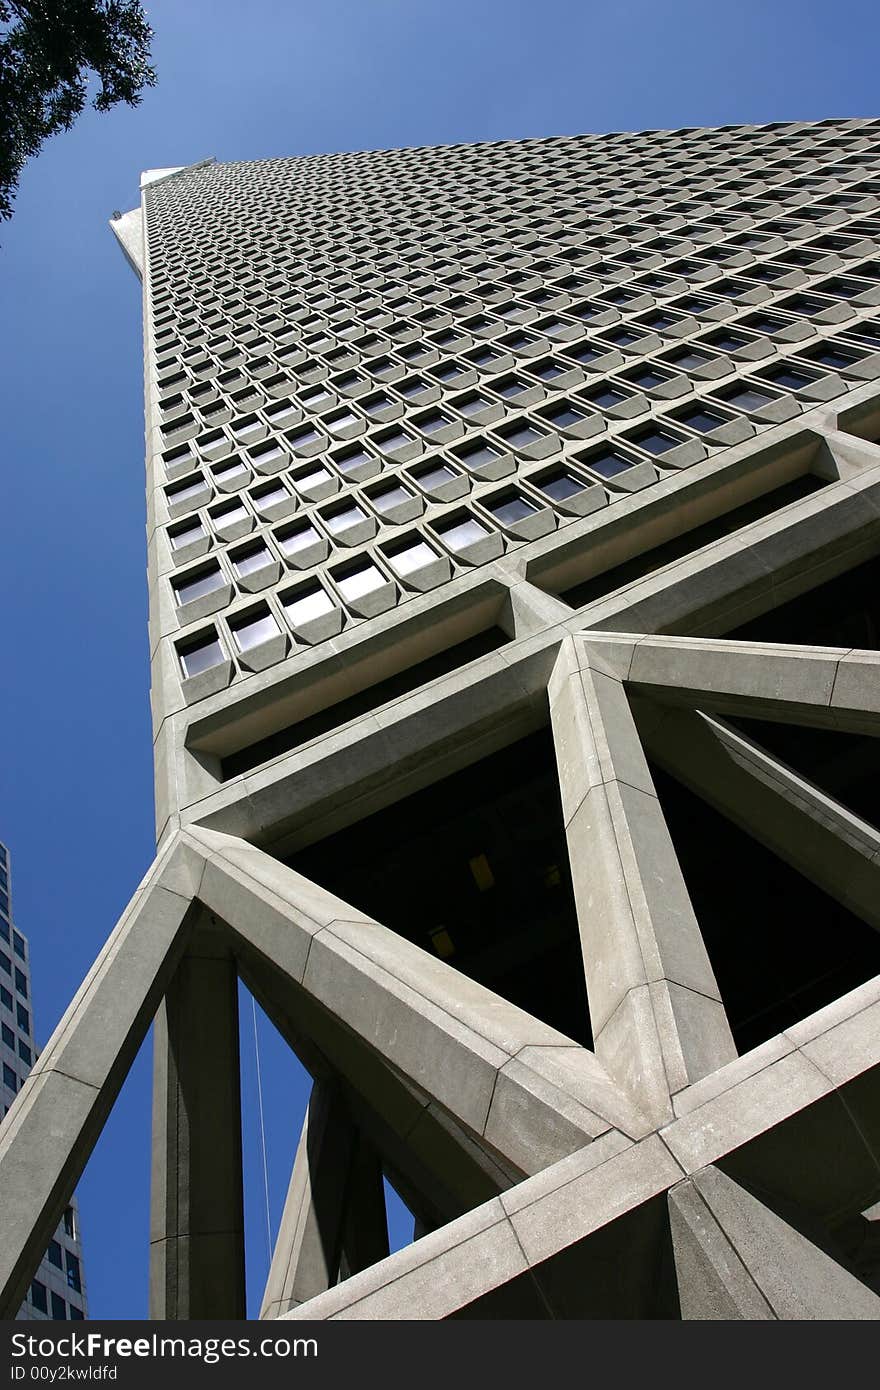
[
  {"x": 58, "y": 1288},
  {"x": 513, "y": 523}
]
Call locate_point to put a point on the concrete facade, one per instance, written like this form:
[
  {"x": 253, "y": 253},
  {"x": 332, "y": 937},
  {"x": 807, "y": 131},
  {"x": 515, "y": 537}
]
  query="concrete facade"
[
  {"x": 58, "y": 1288},
  {"x": 453, "y": 456}
]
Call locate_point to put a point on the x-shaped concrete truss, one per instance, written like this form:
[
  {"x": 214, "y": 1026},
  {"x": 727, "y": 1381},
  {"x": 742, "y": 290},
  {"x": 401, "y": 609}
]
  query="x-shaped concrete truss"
[{"x": 658, "y": 1173}]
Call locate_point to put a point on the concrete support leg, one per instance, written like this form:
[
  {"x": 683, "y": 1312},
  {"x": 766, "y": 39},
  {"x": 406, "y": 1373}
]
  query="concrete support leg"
[
  {"x": 735, "y": 1258},
  {"x": 197, "y": 1218},
  {"x": 333, "y": 1223},
  {"x": 657, "y": 1016},
  {"x": 60, "y": 1110}
]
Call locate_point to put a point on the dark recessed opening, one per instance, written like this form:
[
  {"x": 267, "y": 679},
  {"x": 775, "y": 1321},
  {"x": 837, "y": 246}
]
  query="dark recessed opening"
[
  {"x": 335, "y": 715},
  {"x": 475, "y": 869},
  {"x": 659, "y": 555},
  {"x": 779, "y": 946},
  {"x": 845, "y": 612},
  {"x": 844, "y": 766}
]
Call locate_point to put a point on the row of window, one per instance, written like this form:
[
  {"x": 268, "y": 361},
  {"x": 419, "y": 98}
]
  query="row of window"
[
  {"x": 17, "y": 1044},
  {"x": 539, "y": 433},
  {"x": 579, "y": 156},
  {"x": 7, "y": 967},
  {"x": 314, "y": 358},
  {"x": 488, "y": 307},
  {"x": 504, "y": 260},
  {"x": 22, "y": 1014},
  {"x": 10, "y": 935},
  {"x": 388, "y": 223},
  {"x": 665, "y": 372},
  {"x": 504, "y": 166}
]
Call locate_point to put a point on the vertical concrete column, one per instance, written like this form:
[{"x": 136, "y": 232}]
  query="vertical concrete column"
[
  {"x": 197, "y": 1216},
  {"x": 657, "y": 1017},
  {"x": 334, "y": 1222}
]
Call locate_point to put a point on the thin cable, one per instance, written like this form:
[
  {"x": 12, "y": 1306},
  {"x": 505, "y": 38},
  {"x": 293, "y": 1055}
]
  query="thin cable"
[{"x": 262, "y": 1136}]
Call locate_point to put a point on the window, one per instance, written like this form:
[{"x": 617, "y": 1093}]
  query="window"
[
  {"x": 471, "y": 404},
  {"x": 548, "y": 369},
  {"x": 436, "y": 475},
  {"x": 312, "y": 478},
  {"x": 18, "y": 944},
  {"x": 623, "y": 337},
  {"x": 300, "y": 439},
  {"x": 646, "y": 378},
  {"x": 185, "y": 535},
  {"x": 790, "y": 378},
  {"x": 586, "y": 352},
  {"x": 343, "y": 420},
  {"x": 345, "y": 518},
  {"x": 655, "y": 441},
  {"x": 390, "y": 497},
  {"x": 5, "y": 963},
  {"x": 512, "y": 507},
  {"x": 186, "y": 491},
  {"x": 268, "y": 498},
  {"x": 256, "y": 557},
  {"x": 607, "y": 397},
  {"x": 561, "y": 485},
  {"x": 553, "y": 327},
  {"x": 412, "y": 556},
  {"x": 687, "y": 359},
  {"x": 463, "y": 531},
  {"x": 307, "y": 603},
  {"x": 5, "y": 996},
  {"x": 354, "y": 583},
  {"x": 59, "y": 1308},
  {"x": 478, "y": 454},
  {"x": 433, "y": 421},
  {"x": 76, "y": 1314},
  {"x": 201, "y": 654},
  {"x": 265, "y": 454},
  {"x": 483, "y": 357},
  {"x": 257, "y": 627},
  {"x": 748, "y": 398},
  {"x": 297, "y": 538},
  {"x": 8, "y": 1035},
  {"x": 73, "y": 1276},
  {"x": 10, "y": 1078},
  {"x": 197, "y": 584},
  {"x": 521, "y": 434},
  {"x": 607, "y": 462},
  {"x": 393, "y": 440},
  {"x": 831, "y": 355},
  {"x": 449, "y": 371},
  {"x": 53, "y": 1254},
  {"x": 510, "y": 387},
  {"x": 412, "y": 388},
  {"x": 702, "y": 420},
  {"x": 39, "y": 1297},
  {"x": 563, "y": 416},
  {"x": 232, "y": 468},
  {"x": 69, "y": 1223},
  {"x": 24, "y": 1053},
  {"x": 22, "y": 1016}
]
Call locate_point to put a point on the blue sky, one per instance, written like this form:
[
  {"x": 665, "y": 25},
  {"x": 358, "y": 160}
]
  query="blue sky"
[{"x": 273, "y": 77}]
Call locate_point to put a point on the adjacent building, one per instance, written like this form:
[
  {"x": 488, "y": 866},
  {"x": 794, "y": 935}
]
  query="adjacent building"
[{"x": 58, "y": 1288}]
